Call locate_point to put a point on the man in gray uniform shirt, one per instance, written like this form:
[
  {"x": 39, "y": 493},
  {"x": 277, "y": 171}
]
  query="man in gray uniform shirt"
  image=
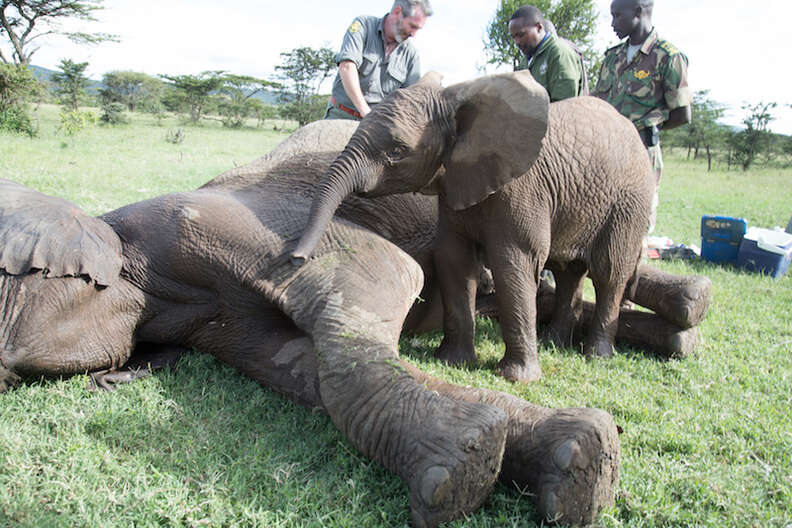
[{"x": 377, "y": 58}]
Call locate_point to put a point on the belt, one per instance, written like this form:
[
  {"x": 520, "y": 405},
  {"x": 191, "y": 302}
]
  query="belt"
[{"x": 350, "y": 111}]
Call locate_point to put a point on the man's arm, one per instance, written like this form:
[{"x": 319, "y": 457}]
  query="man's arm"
[
  {"x": 678, "y": 117},
  {"x": 348, "y": 72}
]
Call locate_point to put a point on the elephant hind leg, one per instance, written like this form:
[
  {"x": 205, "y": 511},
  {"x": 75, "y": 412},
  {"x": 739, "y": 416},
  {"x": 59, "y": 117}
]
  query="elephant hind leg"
[
  {"x": 146, "y": 358},
  {"x": 568, "y": 305}
]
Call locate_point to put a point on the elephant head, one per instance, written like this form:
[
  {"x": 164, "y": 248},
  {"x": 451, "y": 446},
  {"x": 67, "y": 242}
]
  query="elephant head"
[
  {"x": 463, "y": 142},
  {"x": 60, "y": 287}
]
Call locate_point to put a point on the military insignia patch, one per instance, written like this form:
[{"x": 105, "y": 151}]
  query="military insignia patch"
[
  {"x": 355, "y": 27},
  {"x": 641, "y": 74}
]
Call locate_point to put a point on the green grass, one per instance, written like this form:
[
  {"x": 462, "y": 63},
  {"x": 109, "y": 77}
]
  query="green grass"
[{"x": 707, "y": 440}]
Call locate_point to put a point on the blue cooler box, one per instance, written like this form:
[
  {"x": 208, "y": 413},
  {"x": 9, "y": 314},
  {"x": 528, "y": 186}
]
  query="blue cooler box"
[
  {"x": 721, "y": 237},
  {"x": 766, "y": 250}
]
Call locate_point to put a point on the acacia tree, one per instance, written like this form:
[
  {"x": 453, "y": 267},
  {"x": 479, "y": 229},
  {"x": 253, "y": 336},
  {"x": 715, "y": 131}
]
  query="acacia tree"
[
  {"x": 237, "y": 93},
  {"x": 23, "y": 22},
  {"x": 132, "y": 89},
  {"x": 575, "y": 20},
  {"x": 193, "y": 93},
  {"x": 302, "y": 73},
  {"x": 70, "y": 83},
  {"x": 755, "y": 138},
  {"x": 704, "y": 131}
]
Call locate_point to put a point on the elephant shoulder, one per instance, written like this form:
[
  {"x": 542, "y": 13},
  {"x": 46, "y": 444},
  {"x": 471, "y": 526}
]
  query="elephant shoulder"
[{"x": 40, "y": 232}]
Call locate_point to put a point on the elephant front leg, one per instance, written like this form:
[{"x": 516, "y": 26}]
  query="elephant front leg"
[
  {"x": 516, "y": 280},
  {"x": 449, "y": 452},
  {"x": 457, "y": 266}
]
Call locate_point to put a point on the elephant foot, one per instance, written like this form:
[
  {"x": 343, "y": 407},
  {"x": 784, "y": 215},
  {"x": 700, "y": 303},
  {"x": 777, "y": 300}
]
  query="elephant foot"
[
  {"x": 559, "y": 335},
  {"x": 682, "y": 300},
  {"x": 447, "y": 486},
  {"x": 569, "y": 460},
  {"x": 519, "y": 371},
  {"x": 455, "y": 355},
  {"x": 8, "y": 379},
  {"x": 600, "y": 348}
]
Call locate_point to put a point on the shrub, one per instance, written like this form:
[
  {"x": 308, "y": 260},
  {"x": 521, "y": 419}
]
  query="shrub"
[
  {"x": 113, "y": 113},
  {"x": 73, "y": 121}
]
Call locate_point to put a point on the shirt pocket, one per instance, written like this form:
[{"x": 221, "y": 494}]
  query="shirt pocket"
[{"x": 368, "y": 64}]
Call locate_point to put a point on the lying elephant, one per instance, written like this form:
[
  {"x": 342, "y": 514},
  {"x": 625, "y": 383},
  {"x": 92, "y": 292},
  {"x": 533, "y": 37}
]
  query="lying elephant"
[{"x": 209, "y": 269}]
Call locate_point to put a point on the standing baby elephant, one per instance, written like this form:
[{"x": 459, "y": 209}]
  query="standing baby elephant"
[{"x": 566, "y": 184}]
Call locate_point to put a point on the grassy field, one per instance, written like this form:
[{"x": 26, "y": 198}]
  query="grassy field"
[{"x": 707, "y": 440}]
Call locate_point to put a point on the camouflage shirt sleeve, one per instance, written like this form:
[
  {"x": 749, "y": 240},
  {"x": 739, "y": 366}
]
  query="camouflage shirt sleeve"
[{"x": 676, "y": 91}]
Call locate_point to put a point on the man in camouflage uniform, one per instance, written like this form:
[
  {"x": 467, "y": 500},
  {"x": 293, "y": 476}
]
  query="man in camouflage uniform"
[
  {"x": 645, "y": 78},
  {"x": 552, "y": 61},
  {"x": 376, "y": 59}
]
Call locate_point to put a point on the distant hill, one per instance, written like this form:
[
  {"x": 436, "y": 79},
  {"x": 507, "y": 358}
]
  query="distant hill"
[{"x": 44, "y": 74}]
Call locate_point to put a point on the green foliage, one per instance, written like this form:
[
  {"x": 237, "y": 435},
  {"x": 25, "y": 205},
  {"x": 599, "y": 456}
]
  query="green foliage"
[
  {"x": 302, "y": 72},
  {"x": 575, "y": 20},
  {"x": 74, "y": 121},
  {"x": 132, "y": 89},
  {"x": 755, "y": 139},
  {"x": 704, "y": 132},
  {"x": 113, "y": 113},
  {"x": 192, "y": 94},
  {"x": 69, "y": 84},
  {"x": 23, "y": 21},
  {"x": 236, "y": 98},
  {"x": 17, "y": 87}
]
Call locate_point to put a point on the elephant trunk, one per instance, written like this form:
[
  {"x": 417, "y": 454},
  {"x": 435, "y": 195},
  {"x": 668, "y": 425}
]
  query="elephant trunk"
[{"x": 343, "y": 178}]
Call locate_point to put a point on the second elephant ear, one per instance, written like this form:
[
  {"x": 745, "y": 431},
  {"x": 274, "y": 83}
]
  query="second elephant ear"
[
  {"x": 500, "y": 122},
  {"x": 40, "y": 232}
]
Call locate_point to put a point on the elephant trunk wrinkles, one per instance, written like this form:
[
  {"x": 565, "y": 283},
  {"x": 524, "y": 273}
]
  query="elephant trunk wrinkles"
[{"x": 342, "y": 179}]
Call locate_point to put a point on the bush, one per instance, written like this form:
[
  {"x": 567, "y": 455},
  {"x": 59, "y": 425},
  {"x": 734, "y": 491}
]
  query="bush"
[
  {"x": 73, "y": 121},
  {"x": 113, "y": 113},
  {"x": 16, "y": 119}
]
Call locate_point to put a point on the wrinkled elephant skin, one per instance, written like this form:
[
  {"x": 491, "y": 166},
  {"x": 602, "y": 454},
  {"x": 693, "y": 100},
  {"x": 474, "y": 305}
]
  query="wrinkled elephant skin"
[{"x": 210, "y": 269}]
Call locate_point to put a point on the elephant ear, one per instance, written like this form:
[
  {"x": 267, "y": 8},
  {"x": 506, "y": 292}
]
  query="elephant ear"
[
  {"x": 500, "y": 122},
  {"x": 40, "y": 232}
]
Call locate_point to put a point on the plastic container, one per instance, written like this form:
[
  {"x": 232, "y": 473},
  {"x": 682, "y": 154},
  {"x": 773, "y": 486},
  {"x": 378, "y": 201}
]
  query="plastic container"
[
  {"x": 766, "y": 251},
  {"x": 721, "y": 237}
]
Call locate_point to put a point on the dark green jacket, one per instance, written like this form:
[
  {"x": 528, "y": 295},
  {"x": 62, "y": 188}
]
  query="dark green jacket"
[{"x": 557, "y": 67}]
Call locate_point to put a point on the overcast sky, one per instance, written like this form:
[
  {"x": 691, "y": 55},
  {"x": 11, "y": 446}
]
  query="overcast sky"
[{"x": 736, "y": 48}]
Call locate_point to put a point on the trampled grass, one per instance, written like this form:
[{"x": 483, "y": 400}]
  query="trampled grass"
[{"x": 707, "y": 440}]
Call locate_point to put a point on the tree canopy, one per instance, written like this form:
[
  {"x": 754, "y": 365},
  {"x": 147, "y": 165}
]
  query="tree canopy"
[
  {"x": 302, "y": 73},
  {"x": 70, "y": 83},
  {"x": 24, "y": 22}
]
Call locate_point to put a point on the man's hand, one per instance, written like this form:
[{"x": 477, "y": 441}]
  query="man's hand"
[{"x": 678, "y": 117}]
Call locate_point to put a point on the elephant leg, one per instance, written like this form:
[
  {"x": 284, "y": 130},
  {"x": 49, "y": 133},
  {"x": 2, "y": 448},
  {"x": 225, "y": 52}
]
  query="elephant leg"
[
  {"x": 516, "y": 277},
  {"x": 604, "y": 323},
  {"x": 457, "y": 268},
  {"x": 568, "y": 305},
  {"x": 353, "y": 305},
  {"x": 682, "y": 300},
  {"x": 567, "y": 459}
]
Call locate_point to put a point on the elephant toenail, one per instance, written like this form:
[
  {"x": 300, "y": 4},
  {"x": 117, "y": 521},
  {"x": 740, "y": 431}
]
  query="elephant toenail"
[
  {"x": 566, "y": 453},
  {"x": 470, "y": 441},
  {"x": 550, "y": 505},
  {"x": 435, "y": 486}
]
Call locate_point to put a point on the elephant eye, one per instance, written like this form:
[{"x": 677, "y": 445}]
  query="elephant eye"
[{"x": 395, "y": 154}]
